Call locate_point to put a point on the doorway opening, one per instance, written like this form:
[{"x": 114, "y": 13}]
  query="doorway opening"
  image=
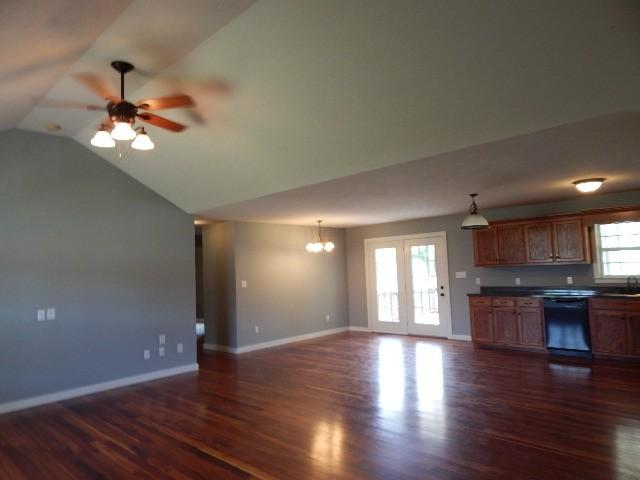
[{"x": 408, "y": 285}]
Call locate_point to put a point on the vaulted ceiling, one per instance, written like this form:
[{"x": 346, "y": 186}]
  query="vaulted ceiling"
[{"x": 296, "y": 94}]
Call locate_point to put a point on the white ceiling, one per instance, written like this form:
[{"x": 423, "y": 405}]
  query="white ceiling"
[
  {"x": 525, "y": 169},
  {"x": 39, "y": 41},
  {"x": 321, "y": 90}
]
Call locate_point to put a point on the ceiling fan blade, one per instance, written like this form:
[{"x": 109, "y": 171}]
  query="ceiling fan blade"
[
  {"x": 161, "y": 103},
  {"x": 52, "y": 103},
  {"x": 161, "y": 122},
  {"x": 97, "y": 85}
]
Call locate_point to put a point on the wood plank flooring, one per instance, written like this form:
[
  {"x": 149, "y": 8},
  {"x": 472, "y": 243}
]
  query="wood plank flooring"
[{"x": 349, "y": 406}]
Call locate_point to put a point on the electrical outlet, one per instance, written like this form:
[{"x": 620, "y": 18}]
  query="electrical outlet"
[
  {"x": 51, "y": 313},
  {"x": 161, "y": 352},
  {"x": 478, "y": 281},
  {"x": 147, "y": 354},
  {"x": 569, "y": 280},
  {"x": 256, "y": 328},
  {"x": 180, "y": 348},
  {"x": 461, "y": 274},
  {"x": 327, "y": 317},
  {"x": 243, "y": 283},
  {"x": 162, "y": 338},
  {"x": 41, "y": 316},
  {"x": 517, "y": 280}
]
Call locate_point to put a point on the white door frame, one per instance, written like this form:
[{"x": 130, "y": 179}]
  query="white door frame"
[{"x": 370, "y": 276}]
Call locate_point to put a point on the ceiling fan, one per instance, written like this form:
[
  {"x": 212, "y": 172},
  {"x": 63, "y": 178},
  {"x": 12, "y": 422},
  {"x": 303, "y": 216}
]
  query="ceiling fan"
[{"x": 123, "y": 114}]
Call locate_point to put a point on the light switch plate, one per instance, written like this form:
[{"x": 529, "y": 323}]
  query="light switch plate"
[
  {"x": 327, "y": 317},
  {"x": 569, "y": 280},
  {"x": 147, "y": 354},
  {"x": 461, "y": 274},
  {"x": 243, "y": 283},
  {"x": 42, "y": 315},
  {"x": 517, "y": 280},
  {"x": 51, "y": 313},
  {"x": 180, "y": 348},
  {"x": 161, "y": 352},
  {"x": 478, "y": 281},
  {"x": 256, "y": 328},
  {"x": 162, "y": 339}
]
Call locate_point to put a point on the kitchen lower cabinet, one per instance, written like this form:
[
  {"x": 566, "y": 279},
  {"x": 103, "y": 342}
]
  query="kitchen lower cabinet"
[
  {"x": 507, "y": 321},
  {"x": 531, "y": 327},
  {"x": 615, "y": 327}
]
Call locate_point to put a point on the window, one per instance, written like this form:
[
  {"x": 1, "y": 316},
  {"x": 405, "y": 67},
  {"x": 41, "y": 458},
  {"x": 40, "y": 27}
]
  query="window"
[{"x": 618, "y": 251}]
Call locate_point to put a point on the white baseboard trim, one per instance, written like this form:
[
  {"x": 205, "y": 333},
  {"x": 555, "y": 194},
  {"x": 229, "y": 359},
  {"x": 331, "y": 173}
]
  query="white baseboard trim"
[
  {"x": 466, "y": 338},
  {"x": 359, "y": 329},
  {"x": 95, "y": 388},
  {"x": 274, "y": 343},
  {"x": 212, "y": 347}
]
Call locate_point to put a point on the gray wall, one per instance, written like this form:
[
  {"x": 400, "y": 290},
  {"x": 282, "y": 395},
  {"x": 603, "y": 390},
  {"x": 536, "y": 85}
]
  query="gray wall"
[
  {"x": 460, "y": 252},
  {"x": 114, "y": 259},
  {"x": 289, "y": 291},
  {"x": 219, "y": 290}
]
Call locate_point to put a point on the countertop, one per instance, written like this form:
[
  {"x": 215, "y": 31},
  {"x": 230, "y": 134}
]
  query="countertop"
[{"x": 591, "y": 292}]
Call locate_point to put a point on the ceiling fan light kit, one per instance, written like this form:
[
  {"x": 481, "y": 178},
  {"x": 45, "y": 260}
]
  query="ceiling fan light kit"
[
  {"x": 123, "y": 114},
  {"x": 102, "y": 139}
]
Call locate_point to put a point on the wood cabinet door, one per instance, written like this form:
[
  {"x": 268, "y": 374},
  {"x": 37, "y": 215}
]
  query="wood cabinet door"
[
  {"x": 609, "y": 332},
  {"x": 633, "y": 327},
  {"x": 531, "y": 327},
  {"x": 511, "y": 246},
  {"x": 539, "y": 242},
  {"x": 485, "y": 246},
  {"x": 568, "y": 240},
  {"x": 482, "y": 325},
  {"x": 505, "y": 326}
]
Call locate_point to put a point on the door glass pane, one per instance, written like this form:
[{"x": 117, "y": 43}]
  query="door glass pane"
[
  {"x": 425, "y": 285},
  {"x": 387, "y": 285}
]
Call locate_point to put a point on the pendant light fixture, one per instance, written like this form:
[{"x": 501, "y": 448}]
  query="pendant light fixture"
[
  {"x": 319, "y": 245},
  {"x": 474, "y": 220}
]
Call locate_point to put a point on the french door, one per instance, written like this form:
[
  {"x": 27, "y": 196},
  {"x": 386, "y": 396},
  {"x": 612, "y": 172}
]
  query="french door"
[{"x": 408, "y": 285}]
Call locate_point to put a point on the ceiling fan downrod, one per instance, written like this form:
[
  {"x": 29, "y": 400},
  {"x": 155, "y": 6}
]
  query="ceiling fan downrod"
[{"x": 124, "y": 68}]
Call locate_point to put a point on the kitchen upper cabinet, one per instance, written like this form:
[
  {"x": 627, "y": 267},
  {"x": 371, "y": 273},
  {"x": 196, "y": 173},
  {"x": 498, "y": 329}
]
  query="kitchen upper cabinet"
[
  {"x": 511, "y": 246},
  {"x": 505, "y": 326},
  {"x": 609, "y": 332},
  {"x": 544, "y": 241},
  {"x": 485, "y": 242},
  {"x": 539, "y": 242},
  {"x": 569, "y": 240},
  {"x": 531, "y": 327}
]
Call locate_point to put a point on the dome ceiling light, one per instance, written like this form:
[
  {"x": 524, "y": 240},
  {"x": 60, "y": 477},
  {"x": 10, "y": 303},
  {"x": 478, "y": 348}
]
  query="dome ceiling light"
[
  {"x": 319, "y": 245},
  {"x": 474, "y": 220},
  {"x": 589, "y": 185}
]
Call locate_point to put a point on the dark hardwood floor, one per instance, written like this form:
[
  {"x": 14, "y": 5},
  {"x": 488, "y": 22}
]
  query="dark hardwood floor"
[{"x": 353, "y": 405}]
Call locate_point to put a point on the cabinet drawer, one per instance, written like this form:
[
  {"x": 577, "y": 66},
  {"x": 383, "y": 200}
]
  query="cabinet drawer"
[
  {"x": 503, "y": 302},
  {"x": 480, "y": 301},
  {"x": 528, "y": 302},
  {"x": 607, "y": 304}
]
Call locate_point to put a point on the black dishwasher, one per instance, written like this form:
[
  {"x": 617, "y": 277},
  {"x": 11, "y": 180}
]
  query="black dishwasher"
[{"x": 567, "y": 325}]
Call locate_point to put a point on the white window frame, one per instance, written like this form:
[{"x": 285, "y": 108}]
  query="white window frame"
[{"x": 598, "y": 269}]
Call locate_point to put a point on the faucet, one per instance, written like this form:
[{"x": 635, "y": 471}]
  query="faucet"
[{"x": 632, "y": 280}]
